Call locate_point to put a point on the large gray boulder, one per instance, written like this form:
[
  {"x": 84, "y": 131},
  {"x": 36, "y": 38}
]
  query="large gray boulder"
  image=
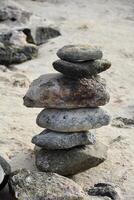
[
  {"x": 78, "y": 53},
  {"x": 73, "y": 120},
  {"x": 57, "y": 91},
  {"x": 29, "y": 185},
  {"x": 56, "y": 140},
  {"x": 72, "y": 161}
]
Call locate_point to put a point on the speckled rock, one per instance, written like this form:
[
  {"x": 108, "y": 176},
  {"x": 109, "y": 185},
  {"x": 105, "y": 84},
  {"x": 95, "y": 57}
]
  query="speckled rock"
[
  {"x": 105, "y": 189},
  {"x": 57, "y": 91},
  {"x": 44, "y": 186},
  {"x": 56, "y": 140},
  {"x": 72, "y": 161},
  {"x": 76, "y": 53},
  {"x": 83, "y": 69},
  {"x": 13, "y": 54},
  {"x": 5, "y": 170},
  {"x": 73, "y": 120}
]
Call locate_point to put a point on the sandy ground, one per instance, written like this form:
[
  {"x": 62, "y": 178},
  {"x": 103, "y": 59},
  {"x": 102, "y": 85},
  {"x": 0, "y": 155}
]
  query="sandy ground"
[{"x": 108, "y": 24}]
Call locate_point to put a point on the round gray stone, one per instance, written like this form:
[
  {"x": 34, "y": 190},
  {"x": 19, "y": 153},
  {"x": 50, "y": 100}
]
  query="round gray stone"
[
  {"x": 73, "y": 120},
  {"x": 72, "y": 161},
  {"x": 58, "y": 91},
  {"x": 78, "y": 53},
  {"x": 83, "y": 69},
  {"x": 56, "y": 140}
]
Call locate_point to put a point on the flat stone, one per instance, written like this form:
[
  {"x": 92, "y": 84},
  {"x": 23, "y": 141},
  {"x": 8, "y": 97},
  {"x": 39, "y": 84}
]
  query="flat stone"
[
  {"x": 58, "y": 91},
  {"x": 56, "y": 140},
  {"x": 5, "y": 170},
  {"x": 44, "y": 186},
  {"x": 73, "y": 120},
  {"x": 83, "y": 69},
  {"x": 70, "y": 162},
  {"x": 13, "y": 54},
  {"x": 78, "y": 53}
]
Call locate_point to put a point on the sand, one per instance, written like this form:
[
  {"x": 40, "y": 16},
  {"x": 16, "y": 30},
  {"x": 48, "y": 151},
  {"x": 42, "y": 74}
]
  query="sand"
[{"x": 108, "y": 24}]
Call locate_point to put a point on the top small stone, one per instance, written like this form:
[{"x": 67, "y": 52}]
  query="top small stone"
[{"x": 78, "y": 53}]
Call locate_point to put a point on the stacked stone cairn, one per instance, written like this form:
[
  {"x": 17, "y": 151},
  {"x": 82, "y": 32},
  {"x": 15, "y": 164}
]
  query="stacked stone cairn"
[{"x": 71, "y": 101}]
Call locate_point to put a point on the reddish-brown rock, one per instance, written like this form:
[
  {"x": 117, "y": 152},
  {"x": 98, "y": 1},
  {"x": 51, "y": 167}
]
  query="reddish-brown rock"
[{"x": 57, "y": 91}]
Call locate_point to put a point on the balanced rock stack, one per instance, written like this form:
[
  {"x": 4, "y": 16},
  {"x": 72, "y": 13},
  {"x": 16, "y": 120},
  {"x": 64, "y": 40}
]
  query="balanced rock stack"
[{"x": 71, "y": 103}]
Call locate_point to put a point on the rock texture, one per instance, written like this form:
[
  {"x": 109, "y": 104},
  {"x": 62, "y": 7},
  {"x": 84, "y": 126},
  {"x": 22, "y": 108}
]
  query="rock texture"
[
  {"x": 73, "y": 120},
  {"x": 57, "y": 140},
  {"x": 71, "y": 101},
  {"x": 9, "y": 10},
  {"x": 73, "y": 161},
  {"x": 2, "y": 174},
  {"x": 40, "y": 34},
  {"x": 44, "y": 186},
  {"x": 5, "y": 170},
  {"x": 12, "y": 54},
  {"x": 57, "y": 91},
  {"x": 4, "y": 164},
  {"x": 83, "y": 69},
  {"x": 78, "y": 53},
  {"x": 13, "y": 38},
  {"x": 104, "y": 190}
]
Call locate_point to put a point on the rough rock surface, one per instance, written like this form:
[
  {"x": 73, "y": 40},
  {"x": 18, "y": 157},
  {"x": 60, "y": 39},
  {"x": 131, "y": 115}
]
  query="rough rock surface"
[
  {"x": 73, "y": 120},
  {"x": 2, "y": 174},
  {"x": 76, "y": 53},
  {"x": 57, "y": 140},
  {"x": 83, "y": 69},
  {"x": 13, "y": 54},
  {"x": 72, "y": 161},
  {"x": 44, "y": 186},
  {"x": 35, "y": 35},
  {"x": 57, "y": 91},
  {"x": 13, "y": 37},
  {"x": 9, "y": 10},
  {"x": 5, "y": 170},
  {"x": 104, "y": 189},
  {"x": 6, "y": 167},
  {"x": 40, "y": 34}
]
